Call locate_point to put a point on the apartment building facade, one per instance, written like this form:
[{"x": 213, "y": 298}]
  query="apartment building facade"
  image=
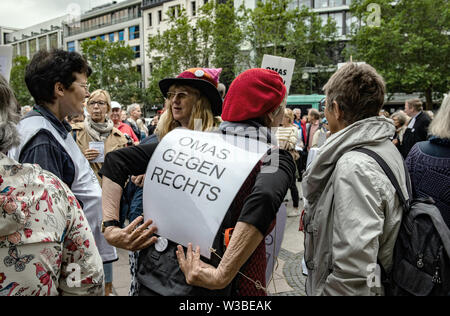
[
  {"x": 111, "y": 22},
  {"x": 46, "y": 35}
]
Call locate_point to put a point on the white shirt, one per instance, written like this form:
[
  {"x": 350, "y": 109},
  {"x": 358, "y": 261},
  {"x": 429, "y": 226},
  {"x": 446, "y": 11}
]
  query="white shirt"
[{"x": 413, "y": 120}]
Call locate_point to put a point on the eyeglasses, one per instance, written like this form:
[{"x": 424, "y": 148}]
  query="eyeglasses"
[
  {"x": 182, "y": 95},
  {"x": 99, "y": 103},
  {"x": 84, "y": 85}
]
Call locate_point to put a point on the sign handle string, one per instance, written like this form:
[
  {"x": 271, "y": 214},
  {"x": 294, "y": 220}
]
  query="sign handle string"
[{"x": 257, "y": 283}]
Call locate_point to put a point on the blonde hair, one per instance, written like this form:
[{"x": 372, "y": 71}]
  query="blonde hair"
[
  {"x": 105, "y": 93},
  {"x": 289, "y": 114},
  {"x": 201, "y": 111},
  {"x": 440, "y": 125}
]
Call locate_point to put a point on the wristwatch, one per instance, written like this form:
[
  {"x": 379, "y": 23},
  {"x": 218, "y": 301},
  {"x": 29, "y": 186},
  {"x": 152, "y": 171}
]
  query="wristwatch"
[{"x": 110, "y": 223}]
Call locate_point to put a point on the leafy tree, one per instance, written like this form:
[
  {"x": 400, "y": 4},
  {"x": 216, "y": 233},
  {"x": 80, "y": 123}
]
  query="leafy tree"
[
  {"x": 410, "y": 47},
  {"x": 17, "y": 81},
  {"x": 113, "y": 70}
]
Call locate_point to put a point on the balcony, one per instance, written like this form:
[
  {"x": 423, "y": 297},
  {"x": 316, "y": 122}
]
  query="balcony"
[
  {"x": 148, "y": 4},
  {"x": 78, "y": 30}
]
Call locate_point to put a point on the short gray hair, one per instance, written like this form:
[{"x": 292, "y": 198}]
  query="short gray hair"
[
  {"x": 132, "y": 107},
  {"x": 9, "y": 117}
]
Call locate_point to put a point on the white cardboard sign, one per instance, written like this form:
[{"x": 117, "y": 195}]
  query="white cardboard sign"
[
  {"x": 6, "y": 53},
  {"x": 191, "y": 180},
  {"x": 284, "y": 67}
]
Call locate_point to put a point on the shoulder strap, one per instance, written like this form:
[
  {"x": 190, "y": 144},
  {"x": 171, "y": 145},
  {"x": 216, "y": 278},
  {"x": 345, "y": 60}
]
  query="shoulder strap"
[{"x": 390, "y": 174}]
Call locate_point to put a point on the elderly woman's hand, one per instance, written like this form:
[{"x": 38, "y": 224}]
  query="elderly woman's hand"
[
  {"x": 133, "y": 237},
  {"x": 138, "y": 180},
  {"x": 197, "y": 272}
]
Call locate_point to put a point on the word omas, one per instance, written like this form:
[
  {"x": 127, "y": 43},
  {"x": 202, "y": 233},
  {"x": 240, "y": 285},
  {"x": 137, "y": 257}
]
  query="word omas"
[
  {"x": 281, "y": 72},
  {"x": 189, "y": 160}
]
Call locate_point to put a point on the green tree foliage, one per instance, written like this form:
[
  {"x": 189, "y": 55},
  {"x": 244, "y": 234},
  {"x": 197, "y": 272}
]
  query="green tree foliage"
[
  {"x": 235, "y": 39},
  {"x": 17, "y": 81},
  {"x": 410, "y": 47},
  {"x": 113, "y": 70}
]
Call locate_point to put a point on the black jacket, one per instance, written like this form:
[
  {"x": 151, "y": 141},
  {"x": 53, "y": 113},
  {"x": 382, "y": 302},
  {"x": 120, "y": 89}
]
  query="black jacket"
[{"x": 418, "y": 133}]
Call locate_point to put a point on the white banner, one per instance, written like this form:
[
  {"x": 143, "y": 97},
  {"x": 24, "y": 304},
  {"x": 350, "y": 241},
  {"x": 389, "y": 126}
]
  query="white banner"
[
  {"x": 284, "y": 67},
  {"x": 6, "y": 53},
  {"x": 191, "y": 180}
]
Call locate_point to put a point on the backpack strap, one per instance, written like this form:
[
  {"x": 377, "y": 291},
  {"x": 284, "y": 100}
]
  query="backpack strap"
[{"x": 390, "y": 175}]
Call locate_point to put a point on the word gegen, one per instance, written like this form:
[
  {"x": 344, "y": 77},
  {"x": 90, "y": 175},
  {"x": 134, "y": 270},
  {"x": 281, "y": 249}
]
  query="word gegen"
[{"x": 184, "y": 182}]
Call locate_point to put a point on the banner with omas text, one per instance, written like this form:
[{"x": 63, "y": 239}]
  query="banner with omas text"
[{"x": 191, "y": 180}]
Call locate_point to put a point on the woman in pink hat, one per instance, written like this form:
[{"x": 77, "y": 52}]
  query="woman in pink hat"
[{"x": 191, "y": 96}]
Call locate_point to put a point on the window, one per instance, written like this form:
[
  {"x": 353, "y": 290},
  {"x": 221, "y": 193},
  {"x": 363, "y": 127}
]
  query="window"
[
  {"x": 42, "y": 42},
  {"x": 159, "y": 16},
  {"x": 194, "y": 9},
  {"x": 150, "y": 19},
  {"x": 339, "y": 18},
  {"x": 137, "y": 51},
  {"x": 53, "y": 40},
  {"x": 32, "y": 46},
  {"x": 121, "y": 36},
  {"x": 133, "y": 32},
  {"x": 102, "y": 37},
  {"x": 111, "y": 37},
  {"x": 71, "y": 46}
]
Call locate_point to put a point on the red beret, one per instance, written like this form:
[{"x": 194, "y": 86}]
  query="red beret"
[{"x": 252, "y": 94}]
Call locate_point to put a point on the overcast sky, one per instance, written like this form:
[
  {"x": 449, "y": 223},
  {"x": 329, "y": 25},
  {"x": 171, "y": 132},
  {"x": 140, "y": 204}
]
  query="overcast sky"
[{"x": 25, "y": 13}]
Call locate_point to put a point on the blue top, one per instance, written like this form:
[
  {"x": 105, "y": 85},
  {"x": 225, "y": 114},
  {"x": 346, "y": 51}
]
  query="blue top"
[
  {"x": 429, "y": 166},
  {"x": 43, "y": 149}
]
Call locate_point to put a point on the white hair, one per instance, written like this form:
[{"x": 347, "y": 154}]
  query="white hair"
[
  {"x": 9, "y": 117},
  {"x": 132, "y": 107}
]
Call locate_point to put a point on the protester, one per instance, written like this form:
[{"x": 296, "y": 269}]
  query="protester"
[
  {"x": 353, "y": 213},
  {"x": 222, "y": 90},
  {"x": 97, "y": 128},
  {"x": 57, "y": 80},
  {"x": 429, "y": 163},
  {"x": 73, "y": 119},
  {"x": 321, "y": 134},
  {"x": 312, "y": 127},
  {"x": 193, "y": 95},
  {"x": 123, "y": 116},
  {"x": 25, "y": 110},
  {"x": 126, "y": 130},
  {"x": 134, "y": 114},
  {"x": 417, "y": 130},
  {"x": 152, "y": 126},
  {"x": 400, "y": 122},
  {"x": 255, "y": 102},
  {"x": 40, "y": 237},
  {"x": 287, "y": 136}
]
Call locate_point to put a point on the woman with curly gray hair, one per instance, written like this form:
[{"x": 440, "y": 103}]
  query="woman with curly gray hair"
[
  {"x": 9, "y": 117},
  {"x": 43, "y": 241}
]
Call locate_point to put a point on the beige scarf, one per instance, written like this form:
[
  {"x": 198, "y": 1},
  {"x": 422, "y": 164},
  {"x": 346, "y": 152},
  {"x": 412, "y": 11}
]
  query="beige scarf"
[{"x": 98, "y": 131}]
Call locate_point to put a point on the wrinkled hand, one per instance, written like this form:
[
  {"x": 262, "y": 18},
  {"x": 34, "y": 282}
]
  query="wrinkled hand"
[
  {"x": 133, "y": 237},
  {"x": 138, "y": 180},
  {"x": 197, "y": 272},
  {"x": 91, "y": 154}
]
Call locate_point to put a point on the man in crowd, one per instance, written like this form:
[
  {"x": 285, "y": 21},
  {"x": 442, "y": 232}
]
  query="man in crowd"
[
  {"x": 57, "y": 80},
  {"x": 417, "y": 130},
  {"x": 134, "y": 112}
]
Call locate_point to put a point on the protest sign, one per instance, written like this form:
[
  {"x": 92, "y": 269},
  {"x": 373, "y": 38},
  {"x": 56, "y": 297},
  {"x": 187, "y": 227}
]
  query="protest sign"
[
  {"x": 284, "y": 67},
  {"x": 6, "y": 53},
  {"x": 191, "y": 180}
]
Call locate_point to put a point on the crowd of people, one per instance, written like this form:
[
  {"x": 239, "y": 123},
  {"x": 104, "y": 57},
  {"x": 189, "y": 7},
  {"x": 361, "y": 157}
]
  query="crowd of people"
[{"x": 73, "y": 168}]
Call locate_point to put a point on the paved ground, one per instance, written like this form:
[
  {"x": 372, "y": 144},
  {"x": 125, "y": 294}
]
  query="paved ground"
[{"x": 287, "y": 279}]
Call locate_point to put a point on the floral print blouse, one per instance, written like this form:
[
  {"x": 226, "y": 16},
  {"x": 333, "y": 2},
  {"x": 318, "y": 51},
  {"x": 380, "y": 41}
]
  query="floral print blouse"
[{"x": 46, "y": 245}]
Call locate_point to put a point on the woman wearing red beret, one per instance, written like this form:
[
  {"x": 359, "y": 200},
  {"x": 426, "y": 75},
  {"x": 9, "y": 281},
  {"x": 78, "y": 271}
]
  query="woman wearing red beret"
[{"x": 254, "y": 105}]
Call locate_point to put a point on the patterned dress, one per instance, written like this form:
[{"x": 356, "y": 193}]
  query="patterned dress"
[{"x": 46, "y": 245}]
